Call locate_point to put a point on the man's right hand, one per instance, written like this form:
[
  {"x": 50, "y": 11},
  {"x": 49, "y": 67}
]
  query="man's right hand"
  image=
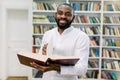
[
  {"x": 44, "y": 49},
  {"x": 46, "y": 68}
]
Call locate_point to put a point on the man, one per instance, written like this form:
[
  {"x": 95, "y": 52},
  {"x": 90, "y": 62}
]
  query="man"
[{"x": 66, "y": 41}]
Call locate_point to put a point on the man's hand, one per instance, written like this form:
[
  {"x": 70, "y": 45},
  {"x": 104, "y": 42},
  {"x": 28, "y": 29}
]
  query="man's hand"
[
  {"x": 46, "y": 68},
  {"x": 44, "y": 49}
]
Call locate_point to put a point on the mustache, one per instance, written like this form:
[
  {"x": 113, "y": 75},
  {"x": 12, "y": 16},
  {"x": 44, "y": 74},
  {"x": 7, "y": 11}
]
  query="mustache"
[{"x": 62, "y": 19}]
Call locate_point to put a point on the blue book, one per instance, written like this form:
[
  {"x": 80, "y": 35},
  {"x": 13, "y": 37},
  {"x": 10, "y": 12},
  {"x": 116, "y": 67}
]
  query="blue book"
[
  {"x": 97, "y": 52},
  {"x": 113, "y": 75},
  {"x": 109, "y": 7}
]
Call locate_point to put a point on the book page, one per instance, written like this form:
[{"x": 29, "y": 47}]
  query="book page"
[
  {"x": 44, "y": 57},
  {"x": 62, "y": 57},
  {"x": 26, "y": 57},
  {"x": 34, "y": 55}
]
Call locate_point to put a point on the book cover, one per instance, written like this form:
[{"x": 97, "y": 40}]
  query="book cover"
[{"x": 26, "y": 58}]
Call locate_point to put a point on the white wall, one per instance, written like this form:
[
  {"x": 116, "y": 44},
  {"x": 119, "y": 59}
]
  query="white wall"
[
  {"x": 0, "y": 39},
  {"x": 0, "y": 26},
  {"x": 4, "y": 6}
]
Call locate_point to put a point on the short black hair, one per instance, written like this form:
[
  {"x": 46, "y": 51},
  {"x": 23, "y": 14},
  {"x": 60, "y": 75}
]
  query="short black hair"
[{"x": 66, "y": 4}]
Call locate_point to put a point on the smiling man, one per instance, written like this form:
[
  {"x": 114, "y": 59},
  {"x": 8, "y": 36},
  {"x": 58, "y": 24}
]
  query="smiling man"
[
  {"x": 66, "y": 41},
  {"x": 64, "y": 16}
]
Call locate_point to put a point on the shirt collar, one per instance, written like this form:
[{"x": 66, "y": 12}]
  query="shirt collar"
[{"x": 66, "y": 30}]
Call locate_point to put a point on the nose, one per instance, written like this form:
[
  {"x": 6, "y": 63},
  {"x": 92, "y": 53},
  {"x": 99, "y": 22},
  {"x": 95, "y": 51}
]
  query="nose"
[{"x": 63, "y": 16}]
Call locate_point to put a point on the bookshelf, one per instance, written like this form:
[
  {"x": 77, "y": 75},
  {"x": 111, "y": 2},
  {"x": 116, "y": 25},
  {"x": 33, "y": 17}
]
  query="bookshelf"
[
  {"x": 100, "y": 19},
  {"x": 110, "y": 58}
]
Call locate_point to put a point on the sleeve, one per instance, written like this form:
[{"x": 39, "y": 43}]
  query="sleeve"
[
  {"x": 81, "y": 50},
  {"x": 44, "y": 41},
  {"x": 47, "y": 38}
]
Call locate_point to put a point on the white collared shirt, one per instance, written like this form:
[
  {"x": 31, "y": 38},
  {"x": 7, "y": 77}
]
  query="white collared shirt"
[{"x": 72, "y": 42}]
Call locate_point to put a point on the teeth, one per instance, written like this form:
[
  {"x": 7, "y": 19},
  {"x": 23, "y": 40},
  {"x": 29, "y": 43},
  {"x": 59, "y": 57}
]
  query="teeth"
[{"x": 62, "y": 21}]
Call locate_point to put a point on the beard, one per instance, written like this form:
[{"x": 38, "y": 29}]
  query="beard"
[{"x": 65, "y": 26}]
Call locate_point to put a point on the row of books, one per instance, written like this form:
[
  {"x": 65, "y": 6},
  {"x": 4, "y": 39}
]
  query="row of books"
[
  {"x": 111, "y": 65},
  {"x": 110, "y": 53},
  {"x": 44, "y": 6},
  {"x": 111, "y": 7},
  {"x": 90, "y": 74},
  {"x": 112, "y": 19},
  {"x": 91, "y": 30},
  {"x": 111, "y": 42},
  {"x": 37, "y": 41},
  {"x": 79, "y": 19},
  {"x": 86, "y": 19},
  {"x": 82, "y": 6},
  {"x": 93, "y": 63},
  {"x": 94, "y": 41},
  {"x": 41, "y": 29},
  {"x": 109, "y": 75},
  {"x": 111, "y": 30},
  {"x": 43, "y": 18},
  {"x": 94, "y": 52},
  {"x": 86, "y": 6}
]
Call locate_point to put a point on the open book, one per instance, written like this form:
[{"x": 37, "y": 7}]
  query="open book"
[{"x": 26, "y": 58}]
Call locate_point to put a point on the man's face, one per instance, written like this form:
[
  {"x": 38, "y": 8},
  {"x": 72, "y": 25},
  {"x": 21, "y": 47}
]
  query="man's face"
[{"x": 64, "y": 17}]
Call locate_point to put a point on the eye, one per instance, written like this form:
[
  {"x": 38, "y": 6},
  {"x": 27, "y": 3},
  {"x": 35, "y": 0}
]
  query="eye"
[
  {"x": 68, "y": 14},
  {"x": 59, "y": 12}
]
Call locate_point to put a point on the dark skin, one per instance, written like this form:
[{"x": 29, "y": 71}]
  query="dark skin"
[{"x": 64, "y": 16}]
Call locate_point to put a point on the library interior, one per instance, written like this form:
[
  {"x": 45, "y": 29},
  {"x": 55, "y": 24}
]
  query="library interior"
[{"x": 24, "y": 22}]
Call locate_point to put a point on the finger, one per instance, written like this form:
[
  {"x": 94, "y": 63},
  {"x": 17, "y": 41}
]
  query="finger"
[
  {"x": 43, "y": 53},
  {"x": 41, "y": 68},
  {"x": 35, "y": 65},
  {"x": 44, "y": 49},
  {"x": 45, "y": 46}
]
